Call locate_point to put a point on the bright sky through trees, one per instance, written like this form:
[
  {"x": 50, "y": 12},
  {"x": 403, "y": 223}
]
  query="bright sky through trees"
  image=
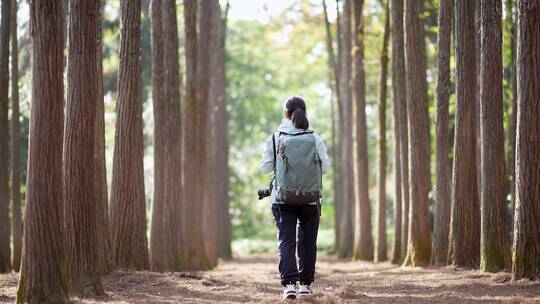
[{"x": 262, "y": 10}]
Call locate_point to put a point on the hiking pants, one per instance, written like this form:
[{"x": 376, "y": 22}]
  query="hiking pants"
[{"x": 287, "y": 218}]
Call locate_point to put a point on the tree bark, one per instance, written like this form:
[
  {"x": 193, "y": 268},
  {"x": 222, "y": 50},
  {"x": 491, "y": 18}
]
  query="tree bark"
[
  {"x": 206, "y": 45},
  {"x": 332, "y": 63},
  {"x": 439, "y": 255},
  {"x": 79, "y": 164},
  {"x": 419, "y": 246},
  {"x": 400, "y": 137},
  {"x": 165, "y": 250},
  {"x": 220, "y": 151},
  {"x": 195, "y": 257},
  {"x": 339, "y": 186},
  {"x": 347, "y": 200},
  {"x": 17, "y": 225},
  {"x": 363, "y": 239},
  {"x": 464, "y": 239},
  {"x": 43, "y": 272},
  {"x": 526, "y": 251},
  {"x": 400, "y": 93},
  {"x": 5, "y": 233},
  {"x": 102, "y": 198},
  {"x": 128, "y": 208},
  {"x": 382, "y": 248},
  {"x": 494, "y": 250}
]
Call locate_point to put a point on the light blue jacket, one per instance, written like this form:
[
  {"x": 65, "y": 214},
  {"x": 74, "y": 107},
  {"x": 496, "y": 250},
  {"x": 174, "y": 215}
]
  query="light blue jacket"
[{"x": 266, "y": 165}]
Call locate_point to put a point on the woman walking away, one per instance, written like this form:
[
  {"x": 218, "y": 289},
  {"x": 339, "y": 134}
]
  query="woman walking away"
[{"x": 297, "y": 156}]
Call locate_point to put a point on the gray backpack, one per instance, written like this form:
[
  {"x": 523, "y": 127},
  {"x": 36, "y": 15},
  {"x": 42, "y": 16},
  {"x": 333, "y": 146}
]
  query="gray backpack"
[{"x": 297, "y": 168}]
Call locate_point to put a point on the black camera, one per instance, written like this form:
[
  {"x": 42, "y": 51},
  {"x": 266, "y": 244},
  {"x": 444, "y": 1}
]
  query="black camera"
[{"x": 266, "y": 192}]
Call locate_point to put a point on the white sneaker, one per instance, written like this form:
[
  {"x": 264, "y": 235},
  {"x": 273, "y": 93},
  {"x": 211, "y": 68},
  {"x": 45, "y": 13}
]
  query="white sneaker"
[
  {"x": 289, "y": 292},
  {"x": 304, "y": 290}
]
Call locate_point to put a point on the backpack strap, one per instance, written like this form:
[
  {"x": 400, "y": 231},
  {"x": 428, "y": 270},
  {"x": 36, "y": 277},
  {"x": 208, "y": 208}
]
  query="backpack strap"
[{"x": 274, "y": 147}]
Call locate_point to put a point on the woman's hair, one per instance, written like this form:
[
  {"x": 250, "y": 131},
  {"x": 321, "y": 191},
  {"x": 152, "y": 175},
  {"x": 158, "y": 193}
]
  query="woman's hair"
[{"x": 296, "y": 111}]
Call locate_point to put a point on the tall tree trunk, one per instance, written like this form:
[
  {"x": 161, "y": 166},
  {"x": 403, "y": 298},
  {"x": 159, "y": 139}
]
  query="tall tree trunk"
[
  {"x": 334, "y": 84},
  {"x": 347, "y": 205},
  {"x": 464, "y": 239},
  {"x": 220, "y": 152},
  {"x": 43, "y": 271},
  {"x": 363, "y": 238},
  {"x": 396, "y": 246},
  {"x": 204, "y": 122},
  {"x": 477, "y": 43},
  {"x": 419, "y": 246},
  {"x": 494, "y": 250},
  {"x": 165, "y": 250},
  {"x": 400, "y": 137},
  {"x": 439, "y": 253},
  {"x": 79, "y": 141},
  {"x": 339, "y": 173},
  {"x": 15, "y": 144},
  {"x": 5, "y": 234},
  {"x": 102, "y": 198},
  {"x": 206, "y": 47},
  {"x": 195, "y": 257},
  {"x": 398, "y": 59},
  {"x": 382, "y": 251},
  {"x": 526, "y": 251},
  {"x": 128, "y": 208},
  {"x": 332, "y": 63}
]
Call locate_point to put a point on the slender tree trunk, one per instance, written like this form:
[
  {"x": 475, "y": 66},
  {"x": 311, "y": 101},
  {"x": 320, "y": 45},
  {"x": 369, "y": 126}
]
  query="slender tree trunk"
[
  {"x": 526, "y": 251},
  {"x": 102, "y": 199},
  {"x": 477, "y": 38},
  {"x": 220, "y": 133},
  {"x": 363, "y": 239},
  {"x": 165, "y": 243},
  {"x": 195, "y": 257},
  {"x": 347, "y": 205},
  {"x": 439, "y": 255},
  {"x": 464, "y": 239},
  {"x": 338, "y": 186},
  {"x": 400, "y": 92},
  {"x": 332, "y": 63},
  {"x": 159, "y": 253},
  {"x": 494, "y": 249},
  {"x": 128, "y": 208},
  {"x": 43, "y": 271},
  {"x": 382, "y": 250},
  {"x": 5, "y": 234},
  {"x": 79, "y": 142},
  {"x": 334, "y": 84},
  {"x": 419, "y": 246},
  {"x": 399, "y": 105},
  {"x": 17, "y": 225}
]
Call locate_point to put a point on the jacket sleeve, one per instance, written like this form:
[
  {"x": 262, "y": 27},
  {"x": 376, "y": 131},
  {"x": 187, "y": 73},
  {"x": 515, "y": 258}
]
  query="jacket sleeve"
[
  {"x": 323, "y": 154},
  {"x": 266, "y": 165}
]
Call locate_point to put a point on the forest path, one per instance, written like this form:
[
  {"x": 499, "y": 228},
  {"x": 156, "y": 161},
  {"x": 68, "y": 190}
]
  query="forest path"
[{"x": 255, "y": 280}]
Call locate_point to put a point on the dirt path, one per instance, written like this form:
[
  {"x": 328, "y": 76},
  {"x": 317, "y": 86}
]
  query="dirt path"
[{"x": 255, "y": 280}]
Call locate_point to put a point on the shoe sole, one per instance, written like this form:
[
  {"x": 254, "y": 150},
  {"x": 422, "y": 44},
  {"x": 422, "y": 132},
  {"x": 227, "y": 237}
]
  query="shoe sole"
[
  {"x": 290, "y": 296},
  {"x": 305, "y": 294}
]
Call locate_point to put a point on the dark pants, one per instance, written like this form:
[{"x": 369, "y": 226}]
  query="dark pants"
[{"x": 287, "y": 217}]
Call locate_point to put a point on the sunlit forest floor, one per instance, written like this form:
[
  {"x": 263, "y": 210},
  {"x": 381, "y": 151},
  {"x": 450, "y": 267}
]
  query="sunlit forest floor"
[{"x": 255, "y": 280}]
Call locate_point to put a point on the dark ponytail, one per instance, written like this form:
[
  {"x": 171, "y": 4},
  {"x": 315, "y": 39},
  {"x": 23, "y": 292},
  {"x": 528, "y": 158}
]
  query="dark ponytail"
[{"x": 296, "y": 111}]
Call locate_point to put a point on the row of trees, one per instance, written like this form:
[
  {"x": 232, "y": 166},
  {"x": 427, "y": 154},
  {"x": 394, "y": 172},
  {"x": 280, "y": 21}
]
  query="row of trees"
[
  {"x": 471, "y": 215},
  {"x": 69, "y": 220}
]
